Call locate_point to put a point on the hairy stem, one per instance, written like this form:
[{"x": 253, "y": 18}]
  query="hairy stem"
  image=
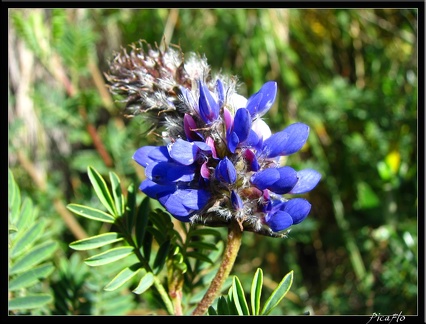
[{"x": 229, "y": 256}]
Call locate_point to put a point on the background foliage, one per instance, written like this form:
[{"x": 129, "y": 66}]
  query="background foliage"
[{"x": 351, "y": 74}]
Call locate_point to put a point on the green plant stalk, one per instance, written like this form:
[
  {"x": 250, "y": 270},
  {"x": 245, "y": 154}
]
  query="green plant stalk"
[{"x": 229, "y": 256}]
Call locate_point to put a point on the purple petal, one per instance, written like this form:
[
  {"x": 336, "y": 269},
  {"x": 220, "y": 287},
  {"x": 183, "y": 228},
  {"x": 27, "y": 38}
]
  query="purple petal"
[
  {"x": 308, "y": 179},
  {"x": 208, "y": 107},
  {"x": 204, "y": 171},
  {"x": 211, "y": 144},
  {"x": 148, "y": 154},
  {"x": 279, "y": 221},
  {"x": 166, "y": 172},
  {"x": 265, "y": 178},
  {"x": 228, "y": 118},
  {"x": 267, "y": 94},
  {"x": 251, "y": 159},
  {"x": 188, "y": 125},
  {"x": 183, "y": 152},
  {"x": 298, "y": 208},
  {"x": 242, "y": 124},
  {"x": 225, "y": 171},
  {"x": 287, "y": 180},
  {"x": 286, "y": 142}
]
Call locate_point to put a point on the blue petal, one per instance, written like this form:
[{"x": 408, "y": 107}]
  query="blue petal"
[
  {"x": 195, "y": 199},
  {"x": 242, "y": 124},
  {"x": 154, "y": 190},
  {"x": 265, "y": 178},
  {"x": 209, "y": 108},
  {"x": 279, "y": 221},
  {"x": 183, "y": 152},
  {"x": 184, "y": 202},
  {"x": 267, "y": 96},
  {"x": 253, "y": 103},
  {"x": 225, "y": 171},
  {"x": 203, "y": 146},
  {"x": 233, "y": 142},
  {"x": 298, "y": 208},
  {"x": 308, "y": 179},
  {"x": 166, "y": 172},
  {"x": 236, "y": 200},
  {"x": 287, "y": 180},
  {"x": 253, "y": 140},
  {"x": 286, "y": 142},
  {"x": 275, "y": 144},
  {"x": 148, "y": 154},
  {"x": 220, "y": 92}
]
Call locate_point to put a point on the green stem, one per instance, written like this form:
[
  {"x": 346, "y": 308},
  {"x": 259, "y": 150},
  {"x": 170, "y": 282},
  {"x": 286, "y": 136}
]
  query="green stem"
[{"x": 229, "y": 256}]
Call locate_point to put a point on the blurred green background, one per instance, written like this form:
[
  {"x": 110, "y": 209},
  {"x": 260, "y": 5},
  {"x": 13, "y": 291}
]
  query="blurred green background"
[{"x": 350, "y": 74}]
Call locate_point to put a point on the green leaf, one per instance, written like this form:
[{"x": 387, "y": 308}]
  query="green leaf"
[
  {"x": 239, "y": 297},
  {"x": 142, "y": 220},
  {"x": 161, "y": 256},
  {"x": 131, "y": 207},
  {"x": 109, "y": 256},
  {"x": 14, "y": 198},
  {"x": 117, "y": 193},
  {"x": 212, "y": 311},
  {"x": 29, "y": 302},
  {"x": 30, "y": 277},
  {"x": 256, "y": 291},
  {"x": 34, "y": 256},
  {"x": 202, "y": 245},
  {"x": 96, "y": 241},
  {"x": 222, "y": 306},
  {"x": 27, "y": 238},
  {"x": 123, "y": 276},
  {"x": 101, "y": 190},
  {"x": 26, "y": 215},
  {"x": 199, "y": 256},
  {"x": 91, "y": 213},
  {"x": 144, "y": 284},
  {"x": 278, "y": 294}
]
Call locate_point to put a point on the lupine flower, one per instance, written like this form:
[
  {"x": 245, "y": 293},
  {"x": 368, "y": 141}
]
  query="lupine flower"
[{"x": 220, "y": 161}]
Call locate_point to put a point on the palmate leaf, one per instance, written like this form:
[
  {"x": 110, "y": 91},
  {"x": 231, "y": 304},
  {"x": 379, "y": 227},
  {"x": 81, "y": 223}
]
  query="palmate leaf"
[
  {"x": 239, "y": 297},
  {"x": 30, "y": 277},
  {"x": 29, "y": 301},
  {"x": 25, "y": 239},
  {"x": 27, "y": 253},
  {"x": 256, "y": 291},
  {"x": 236, "y": 304},
  {"x": 102, "y": 190},
  {"x": 278, "y": 294},
  {"x": 91, "y": 213},
  {"x": 14, "y": 199},
  {"x": 123, "y": 276},
  {"x": 145, "y": 283},
  {"x": 34, "y": 256},
  {"x": 117, "y": 193},
  {"x": 96, "y": 241},
  {"x": 109, "y": 256}
]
